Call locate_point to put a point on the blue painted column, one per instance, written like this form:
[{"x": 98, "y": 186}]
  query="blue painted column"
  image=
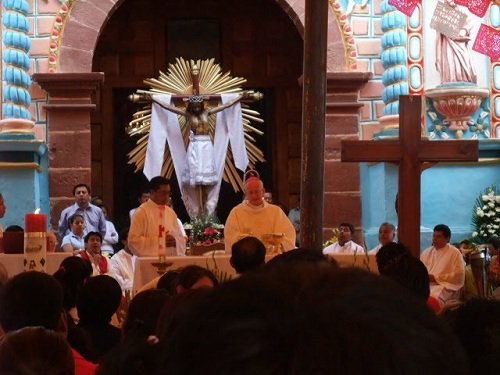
[
  {"x": 17, "y": 98},
  {"x": 23, "y": 158},
  {"x": 394, "y": 61}
]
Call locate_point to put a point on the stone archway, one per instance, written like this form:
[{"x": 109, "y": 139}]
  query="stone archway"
[{"x": 78, "y": 39}]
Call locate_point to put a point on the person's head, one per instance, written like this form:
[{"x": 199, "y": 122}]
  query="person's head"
[
  {"x": 72, "y": 274},
  {"x": 104, "y": 210},
  {"x": 98, "y": 300},
  {"x": 300, "y": 256},
  {"x": 248, "y": 254},
  {"x": 159, "y": 188},
  {"x": 346, "y": 231},
  {"x": 31, "y": 299},
  {"x": 14, "y": 228},
  {"x": 35, "y": 350},
  {"x": 441, "y": 236},
  {"x": 124, "y": 240},
  {"x": 195, "y": 277},
  {"x": 144, "y": 197},
  {"x": 3, "y": 207},
  {"x": 386, "y": 233},
  {"x": 477, "y": 326},
  {"x": 81, "y": 192},
  {"x": 144, "y": 310},
  {"x": 254, "y": 191},
  {"x": 390, "y": 254},
  {"x": 77, "y": 224},
  {"x": 168, "y": 281},
  {"x": 93, "y": 241},
  {"x": 268, "y": 197},
  {"x": 410, "y": 273},
  {"x": 465, "y": 246},
  {"x": 493, "y": 245},
  {"x": 309, "y": 320},
  {"x": 52, "y": 241},
  {"x": 196, "y": 103}
]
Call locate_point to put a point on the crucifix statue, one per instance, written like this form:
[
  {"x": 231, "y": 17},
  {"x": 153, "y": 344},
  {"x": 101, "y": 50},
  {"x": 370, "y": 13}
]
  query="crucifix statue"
[
  {"x": 200, "y": 167},
  {"x": 413, "y": 155}
]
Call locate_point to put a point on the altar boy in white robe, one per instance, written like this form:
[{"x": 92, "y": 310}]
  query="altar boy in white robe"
[
  {"x": 445, "y": 265},
  {"x": 122, "y": 264},
  {"x": 154, "y": 229},
  {"x": 255, "y": 217}
]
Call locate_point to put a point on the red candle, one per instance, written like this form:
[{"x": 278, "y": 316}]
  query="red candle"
[{"x": 35, "y": 223}]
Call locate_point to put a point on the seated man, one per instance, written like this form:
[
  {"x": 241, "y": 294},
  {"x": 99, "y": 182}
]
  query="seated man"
[
  {"x": 386, "y": 234},
  {"x": 445, "y": 264},
  {"x": 255, "y": 217},
  {"x": 92, "y": 253},
  {"x": 122, "y": 264},
  {"x": 248, "y": 254},
  {"x": 345, "y": 244}
]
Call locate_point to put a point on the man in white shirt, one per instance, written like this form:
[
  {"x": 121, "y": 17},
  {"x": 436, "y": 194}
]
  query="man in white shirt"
[
  {"x": 122, "y": 264},
  {"x": 345, "y": 244},
  {"x": 255, "y": 217},
  {"x": 154, "y": 230},
  {"x": 386, "y": 234},
  {"x": 445, "y": 265}
]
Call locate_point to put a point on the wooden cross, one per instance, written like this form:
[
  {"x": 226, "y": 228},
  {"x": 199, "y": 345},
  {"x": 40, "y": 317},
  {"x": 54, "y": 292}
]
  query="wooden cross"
[{"x": 410, "y": 151}]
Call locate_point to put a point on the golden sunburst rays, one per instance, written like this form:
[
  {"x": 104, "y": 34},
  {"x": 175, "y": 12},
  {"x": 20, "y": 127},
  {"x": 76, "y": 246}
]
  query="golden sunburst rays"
[{"x": 178, "y": 81}]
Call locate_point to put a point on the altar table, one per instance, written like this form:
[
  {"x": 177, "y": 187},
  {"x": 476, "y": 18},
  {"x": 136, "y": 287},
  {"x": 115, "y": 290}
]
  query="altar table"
[{"x": 14, "y": 263}]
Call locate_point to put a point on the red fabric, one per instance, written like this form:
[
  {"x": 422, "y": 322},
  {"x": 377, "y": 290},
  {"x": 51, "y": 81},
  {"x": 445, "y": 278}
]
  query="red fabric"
[
  {"x": 433, "y": 304},
  {"x": 478, "y": 7},
  {"x": 103, "y": 263},
  {"x": 82, "y": 366},
  {"x": 405, "y": 6},
  {"x": 488, "y": 42}
]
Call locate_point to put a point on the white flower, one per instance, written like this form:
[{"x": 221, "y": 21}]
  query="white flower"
[
  {"x": 478, "y": 211},
  {"x": 491, "y": 231},
  {"x": 485, "y": 198},
  {"x": 497, "y": 209},
  {"x": 474, "y": 234},
  {"x": 491, "y": 204},
  {"x": 481, "y": 214},
  {"x": 497, "y": 198}
]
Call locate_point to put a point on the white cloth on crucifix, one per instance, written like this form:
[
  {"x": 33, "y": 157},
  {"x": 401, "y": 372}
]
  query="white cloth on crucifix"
[
  {"x": 247, "y": 220},
  {"x": 150, "y": 224},
  {"x": 200, "y": 166},
  {"x": 448, "y": 268},
  {"x": 165, "y": 128},
  {"x": 350, "y": 247}
]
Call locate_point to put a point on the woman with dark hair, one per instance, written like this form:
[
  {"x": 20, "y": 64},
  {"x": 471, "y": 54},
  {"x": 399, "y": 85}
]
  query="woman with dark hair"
[
  {"x": 35, "y": 350},
  {"x": 72, "y": 274},
  {"x": 195, "y": 277}
]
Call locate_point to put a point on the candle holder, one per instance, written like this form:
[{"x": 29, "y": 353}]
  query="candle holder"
[
  {"x": 35, "y": 251},
  {"x": 35, "y": 242},
  {"x": 162, "y": 265}
]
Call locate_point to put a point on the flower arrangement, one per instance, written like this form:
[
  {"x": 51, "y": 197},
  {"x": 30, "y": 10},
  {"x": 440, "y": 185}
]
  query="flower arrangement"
[
  {"x": 486, "y": 216},
  {"x": 205, "y": 230}
]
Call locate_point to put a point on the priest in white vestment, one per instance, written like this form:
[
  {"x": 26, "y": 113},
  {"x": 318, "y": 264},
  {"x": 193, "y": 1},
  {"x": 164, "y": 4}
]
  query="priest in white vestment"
[
  {"x": 154, "y": 229},
  {"x": 255, "y": 217},
  {"x": 446, "y": 266},
  {"x": 345, "y": 244},
  {"x": 386, "y": 234},
  {"x": 122, "y": 265}
]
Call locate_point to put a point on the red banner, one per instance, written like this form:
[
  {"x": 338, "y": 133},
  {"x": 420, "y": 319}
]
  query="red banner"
[
  {"x": 478, "y": 7},
  {"x": 488, "y": 42},
  {"x": 405, "y": 6}
]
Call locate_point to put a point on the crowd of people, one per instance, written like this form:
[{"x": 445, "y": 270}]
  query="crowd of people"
[{"x": 298, "y": 313}]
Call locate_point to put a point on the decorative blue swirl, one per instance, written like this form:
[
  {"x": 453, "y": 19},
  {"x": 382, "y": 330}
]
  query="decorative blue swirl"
[
  {"x": 17, "y": 98},
  {"x": 394, "y": 58}
]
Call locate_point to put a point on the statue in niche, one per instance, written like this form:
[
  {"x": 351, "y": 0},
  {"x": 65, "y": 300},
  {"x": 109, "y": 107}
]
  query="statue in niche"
[{"x": 453, "y": 53}]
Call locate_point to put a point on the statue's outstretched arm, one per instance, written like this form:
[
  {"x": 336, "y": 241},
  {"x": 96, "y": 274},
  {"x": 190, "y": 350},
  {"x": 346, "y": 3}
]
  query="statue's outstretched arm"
[{"x": 171, "y": 108}]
